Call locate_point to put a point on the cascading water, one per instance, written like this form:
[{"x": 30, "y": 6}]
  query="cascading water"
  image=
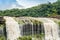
[
  {"x": 12, "y": 28},
  {"x": 51, "y": 32},
  {"x": 55, "y": 30},
  {"x": 51, "y": 29}
]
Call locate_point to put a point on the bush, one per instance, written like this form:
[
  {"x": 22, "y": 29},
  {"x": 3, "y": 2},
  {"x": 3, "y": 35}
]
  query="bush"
[{"x": 25, "y": 38}]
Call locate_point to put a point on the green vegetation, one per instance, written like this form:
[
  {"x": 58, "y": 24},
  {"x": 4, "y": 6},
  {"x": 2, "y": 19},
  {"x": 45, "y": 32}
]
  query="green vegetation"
[
  {"x": 39, "y": 36},
  {"x": 25, "y": 38},
  {"x": 36, "y": 22},
  {"x": 30, "y": 37},
  {"x": 59, "y": 23},
  {"x": 2, "y": 38},
  {"x": 42, "y": 10},
  {"x": 19, "y": 20},
  {"x": 1, "y": 25}
]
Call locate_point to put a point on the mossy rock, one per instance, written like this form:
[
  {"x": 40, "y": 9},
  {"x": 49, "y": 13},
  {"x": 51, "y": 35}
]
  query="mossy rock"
[
  {"x": 36, "y": 22},
  {"x": 21, "y": 22},
  {"x": 1, "y": 25},
  {"x": 59, "y": 23}
]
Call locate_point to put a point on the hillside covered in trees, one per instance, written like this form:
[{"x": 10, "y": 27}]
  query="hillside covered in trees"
[{"x": 42, "y": 10}]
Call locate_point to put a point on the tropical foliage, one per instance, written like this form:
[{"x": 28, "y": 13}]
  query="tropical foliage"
[{"x": 42, "y": 10}]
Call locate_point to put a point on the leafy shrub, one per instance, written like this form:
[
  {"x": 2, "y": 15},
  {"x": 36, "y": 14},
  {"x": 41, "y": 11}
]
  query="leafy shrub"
[{"x": 25, "y": 38}]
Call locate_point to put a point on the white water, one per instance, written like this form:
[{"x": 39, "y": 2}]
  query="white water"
[
  {"x": 54, "y": 30},
  {"x": 12, "y": 28},
  {"x": 51, "y": 29}
]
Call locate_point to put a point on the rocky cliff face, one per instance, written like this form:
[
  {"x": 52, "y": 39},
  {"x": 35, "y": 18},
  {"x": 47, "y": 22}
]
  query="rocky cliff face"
[{"x": 1, "y": 25}]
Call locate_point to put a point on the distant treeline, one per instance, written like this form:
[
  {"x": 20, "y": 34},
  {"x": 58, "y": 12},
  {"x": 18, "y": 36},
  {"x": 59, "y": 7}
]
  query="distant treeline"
[{"x": 42, "y": 10}]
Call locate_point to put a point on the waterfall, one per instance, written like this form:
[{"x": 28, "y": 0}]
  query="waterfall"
[
  {"x": 12, "y": 28},
  {"x": 51, "y": 29},
  {"x": 55, "y": 30}
]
